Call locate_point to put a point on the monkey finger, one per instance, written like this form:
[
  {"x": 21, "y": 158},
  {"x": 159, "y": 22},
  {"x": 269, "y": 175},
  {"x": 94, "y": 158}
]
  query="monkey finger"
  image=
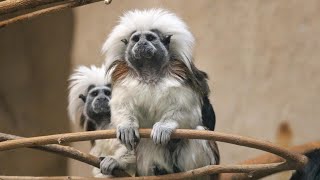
[
  {"x": 152, "y": 135},
  {"x": 136, "y": 133},
  {"x": 164, "y": 138},
  {"x": 118, "y": 133},
  {"x": 158, "y": 138},
  {"x": 105, "y": 165},
  {"x": 129, "y": 146},
  {"x": 127, "y": 133},
  {"x": 132, "y": 139},
  {"x": 101, "y": 158},
  {"x": 123, "y": 136}
]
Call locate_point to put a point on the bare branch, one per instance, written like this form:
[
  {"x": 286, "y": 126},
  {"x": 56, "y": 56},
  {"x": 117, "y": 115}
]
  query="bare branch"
[
  {"x": 293, "y": 160},
  {"x": 67, "y": 152},
  {"x": 207, "y": 170},
  {"x": 271, "y": 158},
  {"x": 7, "y": 7},
  {"x": 10, "y": 6}
]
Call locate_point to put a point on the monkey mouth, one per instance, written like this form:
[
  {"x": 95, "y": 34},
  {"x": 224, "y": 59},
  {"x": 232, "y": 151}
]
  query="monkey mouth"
[
  {"x": 101, "y": 107},
  {"x": 99, "y": 110},
  {"x": 144, "y": 52}
]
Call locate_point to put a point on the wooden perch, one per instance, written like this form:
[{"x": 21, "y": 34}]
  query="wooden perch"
[
  {"x": 9, "y": 7},
  {"x": 67, "y": 152},
  {"x": 292, "y": 160},
  {"x": 262, "y": 159},
  {"x": 271, "y": 158}
]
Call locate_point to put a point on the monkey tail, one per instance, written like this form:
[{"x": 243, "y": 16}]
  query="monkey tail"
[{"x": 312, "y": 170}]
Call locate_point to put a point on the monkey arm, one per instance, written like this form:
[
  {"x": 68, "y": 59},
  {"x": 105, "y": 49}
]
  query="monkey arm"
[
  {"x": 126, "y": 124},
  {"x": 180, "y": 115},
  {"x": 115, "y": 156}
]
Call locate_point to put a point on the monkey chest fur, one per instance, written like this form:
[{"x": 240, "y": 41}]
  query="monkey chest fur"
[{"x": 150, "y": 103}]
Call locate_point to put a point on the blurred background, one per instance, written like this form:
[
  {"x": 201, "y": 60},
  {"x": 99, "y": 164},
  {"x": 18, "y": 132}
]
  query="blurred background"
[{"x": 262, "y": 58}]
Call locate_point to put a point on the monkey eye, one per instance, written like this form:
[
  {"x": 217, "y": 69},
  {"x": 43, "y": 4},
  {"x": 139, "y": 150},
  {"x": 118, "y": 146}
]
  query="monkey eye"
[
  {"x": 107, "y": 93},
  {"x": 150, "y": 37},
  {"x": 135, "y": 38},
  {"x": 94, "y": 93}
]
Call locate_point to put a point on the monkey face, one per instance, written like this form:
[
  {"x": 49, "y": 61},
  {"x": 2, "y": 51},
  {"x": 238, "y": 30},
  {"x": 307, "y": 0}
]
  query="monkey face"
[
  {"x": 97, "y": 102},
  {"x": 147, "y": 51}
]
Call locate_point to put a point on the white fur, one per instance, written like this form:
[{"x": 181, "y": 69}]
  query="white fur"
[
  {"x": 181, "y": 43},
  {"x": 114, "y": 149},
  {"x": 80, "y": 80},
  {"x": 193, "y": 154},
  {"x": 166, "y": 101},
  {"x": 165, "y": 105}
]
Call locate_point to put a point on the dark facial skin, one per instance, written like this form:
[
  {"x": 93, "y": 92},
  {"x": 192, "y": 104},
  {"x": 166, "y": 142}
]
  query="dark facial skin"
[
  {"x": 97, "y": 104},
  {"x": 147, "y": 52}
]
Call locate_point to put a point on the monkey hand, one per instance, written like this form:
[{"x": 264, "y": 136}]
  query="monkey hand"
[
  {"x": 128, "y": 134},
  {"x": 162, "y": 131},
  {"x": 108, "y": 164}
]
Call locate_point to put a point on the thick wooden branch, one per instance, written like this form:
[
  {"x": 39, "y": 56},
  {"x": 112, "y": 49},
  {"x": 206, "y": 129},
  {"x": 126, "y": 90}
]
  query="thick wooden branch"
[
  {"x": 67, "y": 152},
  {"x": 262, "y": 159},
  {"x": 46, "y": 6},
  {"x": 11, "y": 6},
  {"x": 293, "y": 160}
]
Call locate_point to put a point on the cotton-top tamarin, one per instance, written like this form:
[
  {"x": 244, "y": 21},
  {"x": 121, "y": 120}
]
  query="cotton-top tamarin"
[
  {"x": 89, "y": 96},
  {"x": 155, "y": 84}
]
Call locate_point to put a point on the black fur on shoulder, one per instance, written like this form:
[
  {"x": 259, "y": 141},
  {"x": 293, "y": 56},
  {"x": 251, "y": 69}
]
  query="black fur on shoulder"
[
  {"x": 312, "y": 170},
  {"x": 208, "y": 114}
]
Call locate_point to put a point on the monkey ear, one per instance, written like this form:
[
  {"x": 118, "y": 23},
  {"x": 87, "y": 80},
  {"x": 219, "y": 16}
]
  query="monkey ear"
[
  {"x": 91, "y": 87},
  {"x": 82, "y": 97},
  {"x": 109, "y": 85},
  {"x": 167, "y": 39},
  {"x": 124, "y": 41}
]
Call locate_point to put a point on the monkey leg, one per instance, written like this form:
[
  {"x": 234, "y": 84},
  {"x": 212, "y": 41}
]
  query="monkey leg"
[
  {"x": 153, "y": 159},
  {"x": 194, "y": 153}
]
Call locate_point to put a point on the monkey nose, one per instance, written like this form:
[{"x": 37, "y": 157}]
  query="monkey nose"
[{"x": 102, "y": 99}]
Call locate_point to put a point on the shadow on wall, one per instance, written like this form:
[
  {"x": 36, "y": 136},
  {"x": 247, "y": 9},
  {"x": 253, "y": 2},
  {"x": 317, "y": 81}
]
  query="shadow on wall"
[{"x": 34, "y": 67}]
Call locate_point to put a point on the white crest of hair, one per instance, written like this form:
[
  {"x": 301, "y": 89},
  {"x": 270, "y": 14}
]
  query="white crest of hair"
[
  {"x": 181, "y": 44},
  {"x": 80, "y": 80}
]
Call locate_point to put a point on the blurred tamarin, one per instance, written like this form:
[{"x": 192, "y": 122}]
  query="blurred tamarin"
[{"x": 89, "y": 96}]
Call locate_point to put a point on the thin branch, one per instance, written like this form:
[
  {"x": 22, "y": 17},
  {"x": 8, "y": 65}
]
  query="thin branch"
[
  {"x": 271, "y": 158},
  {"x": 67, "y": 152},
  {"x": 293, "y": 160},
  {"x": 55, "y": 8},
  {"x": 207, "y": 170},
  {"x": 262, "y": 159}
]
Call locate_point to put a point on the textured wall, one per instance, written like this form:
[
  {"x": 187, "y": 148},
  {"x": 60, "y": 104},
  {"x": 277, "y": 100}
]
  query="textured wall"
[
  {"x": 262, "y": 58},
  {"x": 34, "y": 66}
]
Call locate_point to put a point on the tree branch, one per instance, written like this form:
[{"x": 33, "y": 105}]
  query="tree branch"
[
  {"x": 67, "y": 152},
  {"x": 271, "y": 158},
  {"x": 293, "y": 160},
  {"x": 10, "y": 6}
]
